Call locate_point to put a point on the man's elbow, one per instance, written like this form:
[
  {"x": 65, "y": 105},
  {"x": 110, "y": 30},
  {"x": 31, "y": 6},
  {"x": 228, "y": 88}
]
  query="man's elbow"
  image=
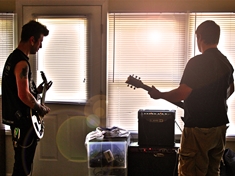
[
  {"x": 22, "y": 96},
  {"x": 230, "y": 90},
  {"x": 184, "y": 91}
]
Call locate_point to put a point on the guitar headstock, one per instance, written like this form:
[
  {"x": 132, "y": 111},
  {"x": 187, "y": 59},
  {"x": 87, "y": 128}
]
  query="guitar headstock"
[
  {"x": 43, "y": 77},
  {"x": 134, "y": 81}
]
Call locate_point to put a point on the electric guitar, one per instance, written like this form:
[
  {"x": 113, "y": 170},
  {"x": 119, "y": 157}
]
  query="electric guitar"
[
  {"x": 37, "y": 121},
  {"x": 137, "y": 83}
]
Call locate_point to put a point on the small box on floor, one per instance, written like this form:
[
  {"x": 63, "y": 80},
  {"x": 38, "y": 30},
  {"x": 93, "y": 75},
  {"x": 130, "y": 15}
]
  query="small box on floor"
[
  {"x": 156, "y": 127},
  {"x": 107, "y": 151},
  {"x": 108, "y": 156}
]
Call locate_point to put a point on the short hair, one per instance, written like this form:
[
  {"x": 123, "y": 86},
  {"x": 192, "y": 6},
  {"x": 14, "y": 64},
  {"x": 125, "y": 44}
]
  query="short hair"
[
  {"x": 33, "y": 28},
  {"x": 209, "y": 32}
]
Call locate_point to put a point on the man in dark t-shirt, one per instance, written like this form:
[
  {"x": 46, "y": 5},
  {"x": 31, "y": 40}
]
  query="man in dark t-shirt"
[
  {"x": 208, "y": 75},
  {"x": 206, "y": 84}
]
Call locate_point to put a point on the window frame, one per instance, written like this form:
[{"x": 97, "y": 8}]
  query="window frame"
[{"x": 54, "y": 75}]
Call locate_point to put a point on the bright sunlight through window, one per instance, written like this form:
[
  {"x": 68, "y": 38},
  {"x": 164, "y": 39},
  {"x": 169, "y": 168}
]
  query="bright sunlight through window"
[{"x": 63, "y": 58}]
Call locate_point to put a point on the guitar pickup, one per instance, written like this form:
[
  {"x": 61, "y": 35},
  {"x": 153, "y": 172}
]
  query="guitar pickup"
[{"x": 35, "y": 124}]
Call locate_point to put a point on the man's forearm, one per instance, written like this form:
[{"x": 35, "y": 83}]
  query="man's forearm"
[
  {"x": 178, "y": 94},
  {"x": 172, "y": 96}
]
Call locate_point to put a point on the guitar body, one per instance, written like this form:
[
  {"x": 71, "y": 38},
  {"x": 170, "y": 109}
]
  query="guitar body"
[
  {"x": 37, "y": 121},
  {"x": 38, "y": 126}
]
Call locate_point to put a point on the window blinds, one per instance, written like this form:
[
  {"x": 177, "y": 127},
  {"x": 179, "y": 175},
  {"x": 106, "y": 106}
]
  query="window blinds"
[
  {"x": 63, "y": 58},
  {"x": 7, "y": 27},
  {"x": 150, "y": 46}
]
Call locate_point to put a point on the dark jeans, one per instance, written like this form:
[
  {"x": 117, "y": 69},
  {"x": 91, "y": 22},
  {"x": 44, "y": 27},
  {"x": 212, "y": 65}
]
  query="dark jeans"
[{"x": 24, "y": 148}]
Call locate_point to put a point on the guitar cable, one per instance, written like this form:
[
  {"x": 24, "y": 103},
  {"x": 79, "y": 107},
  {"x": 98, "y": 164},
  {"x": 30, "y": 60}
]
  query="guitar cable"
[{"x": 178, "y": 126}]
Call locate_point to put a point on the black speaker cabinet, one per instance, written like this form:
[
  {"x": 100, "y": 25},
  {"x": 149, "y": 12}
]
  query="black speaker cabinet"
[
  {"x": 152, "y": 161},
  {"x": 156, "y": 127}
]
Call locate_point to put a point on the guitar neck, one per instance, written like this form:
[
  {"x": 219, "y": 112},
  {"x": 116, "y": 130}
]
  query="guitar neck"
[
  {"x": 43, "y": 95},
  {"x": 145, "y": 87},
  {"x": 179, "y": 104}
]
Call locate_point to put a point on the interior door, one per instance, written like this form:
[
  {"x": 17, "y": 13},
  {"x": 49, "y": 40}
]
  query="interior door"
[{"x": 62, "y": 152}]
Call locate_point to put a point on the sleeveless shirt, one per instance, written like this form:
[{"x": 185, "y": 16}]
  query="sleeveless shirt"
[{"x": 13, "y": 109}]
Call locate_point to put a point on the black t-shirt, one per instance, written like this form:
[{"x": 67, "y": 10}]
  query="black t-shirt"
[
  {"x": 12, "y": 106},
  {"x": 209, "y": 75}
]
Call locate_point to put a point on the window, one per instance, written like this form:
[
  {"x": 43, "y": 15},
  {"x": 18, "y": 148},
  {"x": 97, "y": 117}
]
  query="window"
[
  {"x": 7, "y": 37},
  {"x": 156, "y": 48},
  {"x": 151, "y": 46},
  {"x": 63, "y": 58}
]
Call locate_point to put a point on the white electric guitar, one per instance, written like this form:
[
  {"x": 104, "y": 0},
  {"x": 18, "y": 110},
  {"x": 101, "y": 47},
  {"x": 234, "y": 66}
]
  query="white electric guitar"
[
  {"x": 137, "y": 83},
  {"x": 37, "y": 121}
]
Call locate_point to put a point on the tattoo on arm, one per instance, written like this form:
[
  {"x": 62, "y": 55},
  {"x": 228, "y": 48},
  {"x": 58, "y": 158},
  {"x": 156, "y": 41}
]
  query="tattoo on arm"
[{"x": 24, "y": 73}]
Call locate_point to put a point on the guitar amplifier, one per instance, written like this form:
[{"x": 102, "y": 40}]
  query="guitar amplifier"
[{"x": 156, "y": 127}]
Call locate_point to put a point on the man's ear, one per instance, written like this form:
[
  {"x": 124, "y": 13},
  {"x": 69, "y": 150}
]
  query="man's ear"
[
  {"x": 32, "y": 40},
  {"x": 198, "y": 37}
]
